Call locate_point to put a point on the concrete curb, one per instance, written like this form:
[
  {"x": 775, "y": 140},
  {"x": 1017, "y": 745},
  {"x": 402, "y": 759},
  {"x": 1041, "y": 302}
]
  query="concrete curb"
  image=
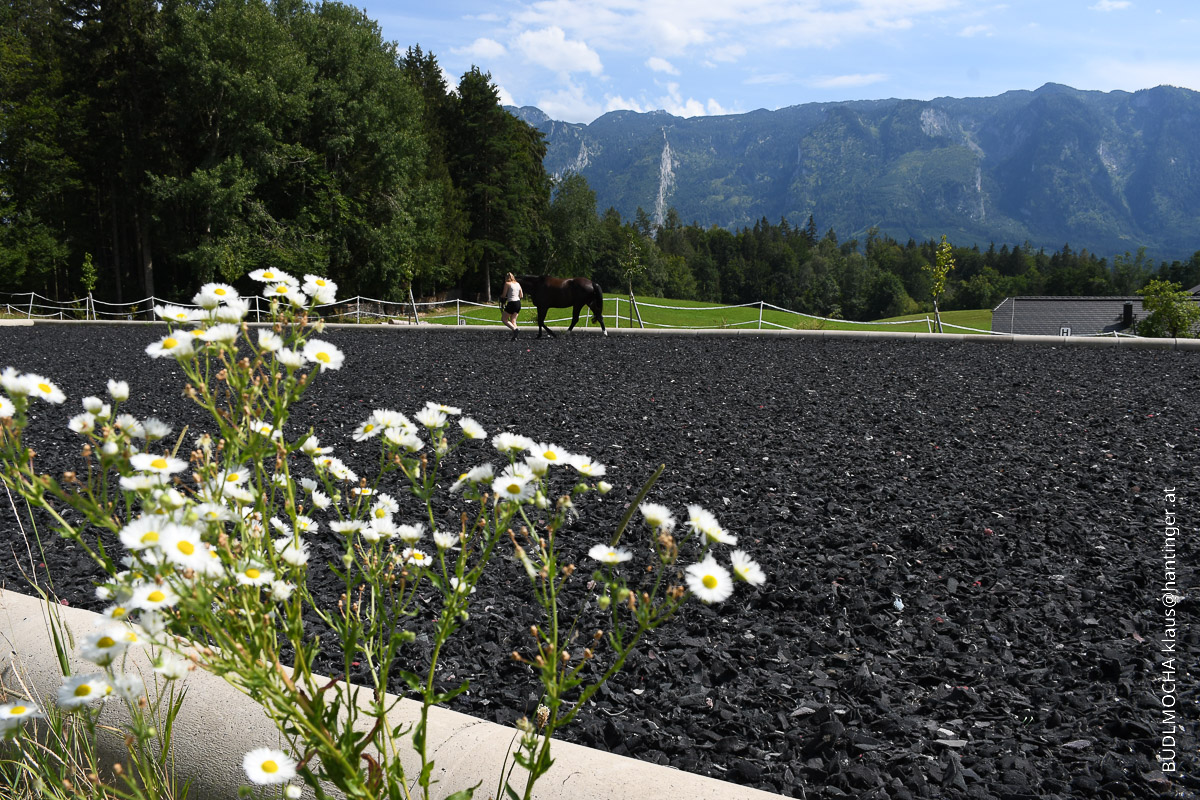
[
  {"x": 529, "y": 332},
  {"x": 212, "y": 733}
]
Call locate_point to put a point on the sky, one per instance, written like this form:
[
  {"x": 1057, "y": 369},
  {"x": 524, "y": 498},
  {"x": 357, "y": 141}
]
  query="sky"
[{"x": 578, "y": 59}]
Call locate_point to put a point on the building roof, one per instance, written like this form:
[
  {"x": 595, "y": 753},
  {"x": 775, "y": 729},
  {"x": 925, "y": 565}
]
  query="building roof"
[{"x": 1065, "y": 316}]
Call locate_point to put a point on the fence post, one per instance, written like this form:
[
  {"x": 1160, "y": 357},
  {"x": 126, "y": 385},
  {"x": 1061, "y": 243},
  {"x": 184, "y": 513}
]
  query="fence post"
[
  {"x": 357, "y": 309},
  {"x": 257, "y": 318},
  {"x": 760, "y": 308},
  {"x": 929, "y": 324},
  {"x": 458, "y": 311},
  {"x": 30, "y": 315}
]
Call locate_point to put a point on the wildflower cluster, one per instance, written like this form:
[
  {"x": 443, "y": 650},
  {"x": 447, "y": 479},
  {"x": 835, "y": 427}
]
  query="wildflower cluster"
[{"x": 207, "y": 547}]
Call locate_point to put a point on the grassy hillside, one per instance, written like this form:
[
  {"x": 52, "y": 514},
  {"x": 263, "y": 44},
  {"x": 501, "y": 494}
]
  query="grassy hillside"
[{"x": 660, "y": 313}]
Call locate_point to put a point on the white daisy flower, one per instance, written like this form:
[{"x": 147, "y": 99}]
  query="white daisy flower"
[
  {"x": 606, "y": 554},
  {"x": 173, "y": 345},
  {"x": 702, "y": 520},
  {"x": 386, "y": 503},
  {"x": 225, "y": 333},
  {"x": 520, "y": 469},
  {"x": 709, "y": 581},
  {"x": 386, "y": 418},
  {"x": 118, "y": 390},
  {"x": 16, "y": 384},
  {"x": 117, "y": 613},
  {"x": 472, "y": 429},
  {"x": 45, "y": 389},
  {"x": 150, "y": 596},
  {"x": 410, "y": 534},
  {"x": 481, "y": 474},
  {"x": 314, "y": 284},
  {"x": 80, "y": 423},
  {"x": 159, "y": 465},
  {"x": 335, "y": 467},
  {"x": 362, "y": 491},
  {"x": 285, "y": 291},
  {"x": 462, "y": 587},
  {"x": 7, "y": 409},
  {"x": 586, "y": 466},
  {"x": 80, "y": 690},
  {"x": 366, "y": 430},
  {"x": 657, "y": 516},
  {"x": 281, "y": 590},
  {"x": 306, "y": 525},
  {"x": 445, "y": 541},
  {"x": 237, "y": 476},
  {"x": 511, "y": 443},
  {"x": 537, "y": 466},
  {"x": 252, "y": 574},
  {"x": 378, "y": 530},
  {"x": 233, "y": 311},
  {"x": 213, "y": 512},
  {"x": 13, "y": 715},
  {"x": 290, "y": 358},
  {"x": 404, "y": 438},
  {"x": 512, "y": 488},
  {"x": 92, "y": 404},
  {"x": 130, "y": 426},
  {"x": 312, "y": 447},
  {"x": 173, "y": 313},
  {"x": 452, "y": 411},
  {"x": 746, "y": 569},
  {"x": 272, "y": 276},
  {"x": 156, "y": 429},
  {"x": 171, "y": 666},
  {"x": 347, "y": 526},
  {"x": 269, "y": 341},
  {"x": 212, "y": 295},
  {"x": 552, "y": 453},
  {"x": 129, "y": 687},
  {"x": 182, "y": 547},
  {"x": 292, "y": 551},
  {"x": 264, "y": 428},
  {"x": 144, "y": 532},
  {"x": 266, "y": 766},
  {"x": 431, "y": 417},
  {"x": 323, "y": 354},
  {"x": 104, "y": 646},
  {"x": 320, "y": 500},
  {"x": 419, "y": 558}
]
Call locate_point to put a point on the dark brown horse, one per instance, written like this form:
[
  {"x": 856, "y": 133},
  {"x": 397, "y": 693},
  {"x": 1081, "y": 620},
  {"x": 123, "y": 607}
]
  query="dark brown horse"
[{"x": 547, "y": 292}]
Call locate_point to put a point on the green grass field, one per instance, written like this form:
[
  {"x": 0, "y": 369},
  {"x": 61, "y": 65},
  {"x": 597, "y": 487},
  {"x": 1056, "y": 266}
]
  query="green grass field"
[{"x": 659, "y": 313}]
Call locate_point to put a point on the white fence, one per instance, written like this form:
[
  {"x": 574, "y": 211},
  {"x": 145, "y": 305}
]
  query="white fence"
[{"x": 625, "y": 312}]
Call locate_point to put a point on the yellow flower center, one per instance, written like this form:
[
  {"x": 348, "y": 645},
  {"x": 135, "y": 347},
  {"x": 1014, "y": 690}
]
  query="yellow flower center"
[
  {"x": 418, "y": 557},
  {"x": 119, "y": 612},
  {"x": 281, "y": 289},
  {"x": 252, "y": 573},
  {"x": 156, "y": 596},
  {"x": 170, "y": 342},
  {"x": 550, "y": 455},
  {"x": 83, "y": 690},
  {"x": 514, "y": 488},
  {"x": 319, "y": 282},
  {"x": 368, "y": 428},
  {"x": 233, "y": 477},
  {"x": 159, "y": 463},
  {"x": 45, "y": 387},
  {"x": 269, "y": 276},
  {"x": 323, "y": 357},
  {"x": 105, "y": 641},
  {"x": 187, "y": 548},
  {"x": 181, "y": 316},
  {"x": 380, "y": 513},
  {"x": 16, "y": 710},
  {"x": 270, "y": 767},
  {"x": 219, "y": 291},
  {"x": 149, "y": 537},
  {"x": 710, "y": 582}
]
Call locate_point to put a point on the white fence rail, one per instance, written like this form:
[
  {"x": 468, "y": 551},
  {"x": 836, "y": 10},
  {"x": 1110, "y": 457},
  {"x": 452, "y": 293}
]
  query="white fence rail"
[{"x": 625, "y": 313}]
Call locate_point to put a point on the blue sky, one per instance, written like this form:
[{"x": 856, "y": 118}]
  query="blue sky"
[{"x": 577, "y": 59}]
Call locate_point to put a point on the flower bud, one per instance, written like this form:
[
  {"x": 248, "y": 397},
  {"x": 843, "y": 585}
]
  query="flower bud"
[{"x": 604, "y": 487}]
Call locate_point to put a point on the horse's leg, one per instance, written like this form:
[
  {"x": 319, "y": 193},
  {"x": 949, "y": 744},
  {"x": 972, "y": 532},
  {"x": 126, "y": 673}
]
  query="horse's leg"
[
  {"x": 598, "y": 313},
  {"x": 575, "y": 318},
  {"x": 542, "y": 322}
]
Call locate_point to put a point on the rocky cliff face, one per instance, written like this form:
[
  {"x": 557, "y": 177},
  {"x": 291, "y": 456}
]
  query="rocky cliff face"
[{"x": 1107, "y": 171}]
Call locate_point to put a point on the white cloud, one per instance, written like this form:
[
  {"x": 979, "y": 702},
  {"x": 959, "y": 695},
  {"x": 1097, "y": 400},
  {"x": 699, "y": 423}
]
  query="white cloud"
[
  {"x": 847, "y": 81},
  {"x": 1111, "y": 5},
  {"x": 715, "y": 109},
  {"x": 661, "y": 65},
  {"x": 619, "y": 103},
  {"x": 770, "y": 79},
  {"x": 727, "y": 53},
  {"x": 483, "y": 49},
  {"x": 1140, "y": 74},
  {"x": 506, "y": 99},
  {"x": 550, "y": 48},
  {"x": 975, "y": 30},
  {"x": 570, "y": 104}
]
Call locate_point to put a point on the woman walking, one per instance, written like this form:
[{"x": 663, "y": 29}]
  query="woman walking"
[{"x": 511, "y": 298}]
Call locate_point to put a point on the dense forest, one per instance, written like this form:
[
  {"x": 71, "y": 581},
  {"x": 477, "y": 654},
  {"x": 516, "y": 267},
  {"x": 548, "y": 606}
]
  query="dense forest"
[{"x": 148, "y": 147}]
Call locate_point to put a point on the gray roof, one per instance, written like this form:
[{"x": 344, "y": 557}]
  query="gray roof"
[{"x": 1065, "y": 316}]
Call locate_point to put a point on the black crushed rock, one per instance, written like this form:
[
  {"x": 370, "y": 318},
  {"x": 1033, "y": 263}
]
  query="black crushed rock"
[{"x": 963, "y": 543}]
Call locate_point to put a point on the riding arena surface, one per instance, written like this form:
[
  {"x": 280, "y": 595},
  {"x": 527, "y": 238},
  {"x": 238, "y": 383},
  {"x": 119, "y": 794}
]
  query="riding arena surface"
[{"x": 964, "y": 543}]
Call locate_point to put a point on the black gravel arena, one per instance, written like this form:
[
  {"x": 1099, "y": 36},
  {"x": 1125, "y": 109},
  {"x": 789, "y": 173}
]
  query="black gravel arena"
[{"x": 980, "y": 557}]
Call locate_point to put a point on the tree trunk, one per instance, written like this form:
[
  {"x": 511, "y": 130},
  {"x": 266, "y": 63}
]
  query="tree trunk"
[
  {"x": 142, "y": 222},
  {"x": 937, "y": 316},
  {"x": 116, "y": 248}
]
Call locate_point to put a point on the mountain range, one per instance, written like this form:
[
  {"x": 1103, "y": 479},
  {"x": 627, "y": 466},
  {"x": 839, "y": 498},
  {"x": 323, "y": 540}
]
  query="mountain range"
[{"x": 1106, "y": 171}]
